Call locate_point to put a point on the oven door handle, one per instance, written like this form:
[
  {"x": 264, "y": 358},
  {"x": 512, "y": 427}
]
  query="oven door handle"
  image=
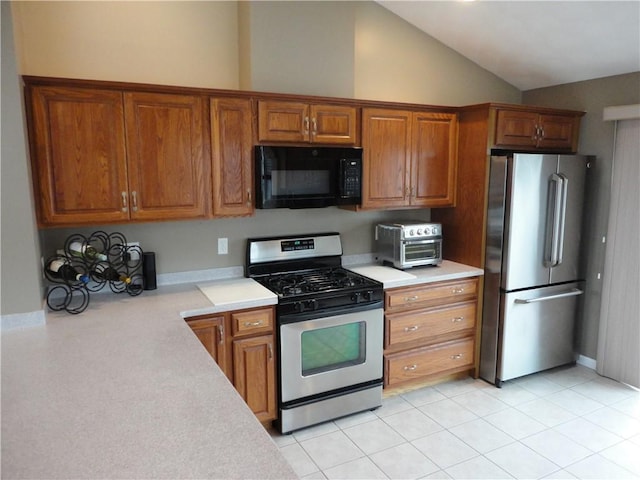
[
  {"x": 329, "y": 312},
  {"x": 408, "y": 241}
]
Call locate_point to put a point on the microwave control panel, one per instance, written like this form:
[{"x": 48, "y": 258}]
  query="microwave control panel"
[{"x": 351, "y": 172}]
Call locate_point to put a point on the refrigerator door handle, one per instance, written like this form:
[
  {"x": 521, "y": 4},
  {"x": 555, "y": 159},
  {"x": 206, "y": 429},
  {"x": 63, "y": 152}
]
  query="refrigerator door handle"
[
  {"x": 571, "y": 293},
  {"x": 563, "y": 215},
  {"x": 553, "y": 220}
]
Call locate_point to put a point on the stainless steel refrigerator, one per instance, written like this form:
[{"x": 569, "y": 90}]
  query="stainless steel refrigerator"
[{"x": 532, "y": 267}]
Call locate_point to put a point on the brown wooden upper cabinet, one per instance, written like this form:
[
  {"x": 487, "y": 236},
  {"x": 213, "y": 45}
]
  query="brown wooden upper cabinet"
[
  {"x": 524, "y": 129},
  {"x": 103, "y": 156},
  {"x": 280, "y": 121},
  {"x": 231, "y": 148},
  {"x": 409, "y": 157}
]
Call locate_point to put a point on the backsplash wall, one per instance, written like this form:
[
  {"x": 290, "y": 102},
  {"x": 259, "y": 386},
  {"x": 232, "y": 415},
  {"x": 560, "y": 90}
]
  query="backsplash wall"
[{"x": 192, "y": 245}]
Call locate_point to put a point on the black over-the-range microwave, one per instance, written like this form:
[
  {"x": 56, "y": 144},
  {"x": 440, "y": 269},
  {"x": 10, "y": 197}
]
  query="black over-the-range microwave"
[{"x": 307, "y": 177}]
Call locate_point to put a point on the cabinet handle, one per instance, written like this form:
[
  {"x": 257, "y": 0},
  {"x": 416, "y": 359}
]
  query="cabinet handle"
[
  {"x": 411, "y": 299},
  {"x": 411, "y": 329},
  {"x": 314, "y": 125},
  {"x": 125, "y": 207},
  {"x": 221, "y": 334},
  {"x": 410, "y": 368},
  {"x": 253, "y": 324},
  {"x": 457, "y": 319},
  {"x": 457, "y": 356},
  {"x": 536, "y": 133},
  {"x": 306, "y": 125},
  {"x": 249, "y": 196},
  {"x": 457, "y": 290},
  {"x": 541, "y": 132},
  {"x": 134, "y": 197},
  {"x": 270, "y": 351}
]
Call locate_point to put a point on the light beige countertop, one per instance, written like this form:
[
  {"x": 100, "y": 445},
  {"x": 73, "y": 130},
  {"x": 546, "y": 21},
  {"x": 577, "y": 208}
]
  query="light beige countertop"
[
  {"x": 393, "y": 278},
  {"x": 125, "y": 390}
]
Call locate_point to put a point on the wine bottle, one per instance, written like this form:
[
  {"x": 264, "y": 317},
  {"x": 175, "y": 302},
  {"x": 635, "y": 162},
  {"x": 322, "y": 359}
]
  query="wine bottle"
[
  {"x": 80, "y": 249},
  {"x": 110, "y": 274},
  {"x": 61, "y": 269}
]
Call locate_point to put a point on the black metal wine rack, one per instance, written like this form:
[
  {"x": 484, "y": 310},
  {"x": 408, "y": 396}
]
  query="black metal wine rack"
[{"x": 100, "y": 252}]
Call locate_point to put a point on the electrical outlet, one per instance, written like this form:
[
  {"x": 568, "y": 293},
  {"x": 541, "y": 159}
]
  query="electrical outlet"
[{"x": 223, "y": 246}]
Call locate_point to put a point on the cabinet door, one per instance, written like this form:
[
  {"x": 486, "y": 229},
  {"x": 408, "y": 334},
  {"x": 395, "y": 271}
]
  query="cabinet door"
[
  {"x": 516, "y": 128},
  {"x": 210, "y": 331},
  {"x": 333, "y": 124},
  {"x": 168, "y": 171},
  {"x": 386, "y": 143},
  {"x": 558, "y": 131},
  {"x": 283, "y": 121},
  {"x": 78, "y": 155},
  {"x": 434, "y": 159},
  {"x": 231, "y": 143},
  {"x": 254, "y": 374}
]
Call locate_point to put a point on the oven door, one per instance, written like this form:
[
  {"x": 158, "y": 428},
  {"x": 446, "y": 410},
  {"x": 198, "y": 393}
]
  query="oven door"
[
  {"x": 323, "y": 353},
  {"x": 421, "y": 252}
]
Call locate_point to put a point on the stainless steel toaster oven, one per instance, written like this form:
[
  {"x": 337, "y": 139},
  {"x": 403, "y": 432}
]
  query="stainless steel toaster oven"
[{"x": 409, "y": 244}]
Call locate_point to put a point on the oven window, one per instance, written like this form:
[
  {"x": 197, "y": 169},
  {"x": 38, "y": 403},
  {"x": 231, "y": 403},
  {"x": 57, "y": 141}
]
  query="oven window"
[
  {"x": 420, "y": 251},
  {"x": 332, "y": 348}
]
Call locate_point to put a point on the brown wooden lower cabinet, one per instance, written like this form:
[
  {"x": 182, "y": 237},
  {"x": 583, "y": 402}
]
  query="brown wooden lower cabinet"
[
  {"x": 243, "y": 344},
  {"x": 430, "y": 331},
  {"x": 428, "y": 361}
]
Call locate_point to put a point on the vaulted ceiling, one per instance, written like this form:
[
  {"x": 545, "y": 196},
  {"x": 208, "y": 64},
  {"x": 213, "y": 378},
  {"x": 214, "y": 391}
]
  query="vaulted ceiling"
[{"x": 534, "y": 44}]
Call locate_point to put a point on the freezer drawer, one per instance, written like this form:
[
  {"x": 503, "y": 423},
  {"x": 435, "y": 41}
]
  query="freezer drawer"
[{"x": 536, "y": 330}]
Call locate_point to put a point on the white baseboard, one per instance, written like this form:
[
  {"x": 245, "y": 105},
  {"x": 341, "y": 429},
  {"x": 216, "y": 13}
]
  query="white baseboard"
[
  {"x": 586, "y": 362},
  {"x": 22, "y": 320}
]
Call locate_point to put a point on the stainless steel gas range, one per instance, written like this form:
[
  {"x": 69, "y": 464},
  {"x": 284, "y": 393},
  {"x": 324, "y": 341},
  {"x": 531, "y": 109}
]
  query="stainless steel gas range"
[{"x": 329, "y": 324}]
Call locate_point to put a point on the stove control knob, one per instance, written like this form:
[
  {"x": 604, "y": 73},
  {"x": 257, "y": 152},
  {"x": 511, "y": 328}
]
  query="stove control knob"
[
  {"x": 356, "y": 297},
  {"x": 298, "y": 307},
  {"x": 311, "y": 305},
  {"x": 420, "y": 231},
  {"x": 368, "y": 295}
]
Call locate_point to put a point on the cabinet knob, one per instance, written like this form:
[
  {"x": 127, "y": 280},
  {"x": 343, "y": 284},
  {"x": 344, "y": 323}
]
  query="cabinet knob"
[
  {"x": 253, "y": 324},
  {"x": 457, "y": 319},
  {"x": 410, "y": 368},
  {"x": 411, "y": 329},
  {"x": 411, "y": 299},
  {"x": 457, "y": 290},
  {"x": 457, "y": 356}
]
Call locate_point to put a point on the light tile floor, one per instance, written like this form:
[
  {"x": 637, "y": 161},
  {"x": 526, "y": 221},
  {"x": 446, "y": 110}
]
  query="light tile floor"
[{"x": 563, "y": 423}]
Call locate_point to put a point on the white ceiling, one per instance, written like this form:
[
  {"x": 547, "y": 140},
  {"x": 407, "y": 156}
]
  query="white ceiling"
[{"x": 534, "y": 44}]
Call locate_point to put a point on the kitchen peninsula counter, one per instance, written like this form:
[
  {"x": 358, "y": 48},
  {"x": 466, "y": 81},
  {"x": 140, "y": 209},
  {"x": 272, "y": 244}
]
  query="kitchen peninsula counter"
[{"x": 125, "y": 390}]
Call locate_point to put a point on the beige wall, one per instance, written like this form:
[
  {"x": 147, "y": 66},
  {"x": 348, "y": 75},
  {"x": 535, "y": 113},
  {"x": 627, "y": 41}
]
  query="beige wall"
[
  {"x": 347, "y": 49},
  {"x": 20, "y": 281},
  {"x": 172, "y": 43},
  {"x": 596, "y": 138}
]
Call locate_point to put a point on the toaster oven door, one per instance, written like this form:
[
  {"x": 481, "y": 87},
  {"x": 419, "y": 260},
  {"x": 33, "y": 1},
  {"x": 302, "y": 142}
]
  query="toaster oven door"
[{"x": 421, "y": 252}]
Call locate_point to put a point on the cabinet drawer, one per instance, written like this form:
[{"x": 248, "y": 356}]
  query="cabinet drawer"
[
  {"x": 421, "y": 362},
  {"x": 422, "y": 324},
  {"x": 252, "y": 321},
  {"x": 438, "y": 293}
]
